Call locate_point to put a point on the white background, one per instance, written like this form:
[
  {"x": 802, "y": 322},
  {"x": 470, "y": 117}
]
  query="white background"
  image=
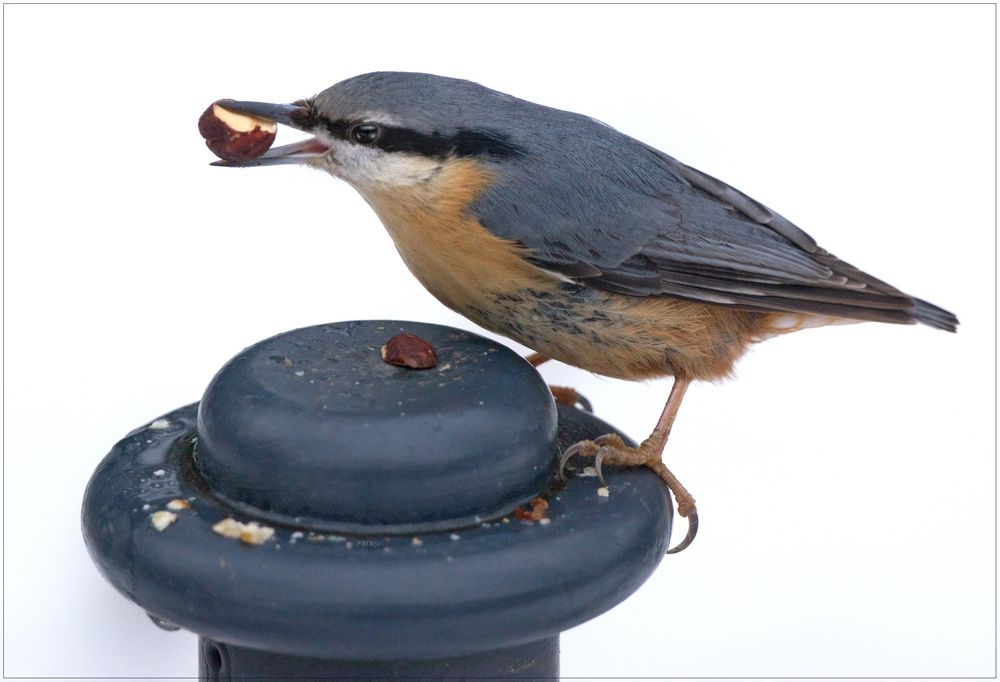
[{"x": 845, "y": 477}]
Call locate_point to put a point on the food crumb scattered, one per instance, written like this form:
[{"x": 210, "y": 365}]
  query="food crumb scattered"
[
  {"x": 160, "y": 472},
  {"x": 162, "y": 519},
  {"x": 589, "y": 472},
  {"x": 417, "y": 542},
  {"x": 544, "y": 522},
  {"x": 160, "y": 424},
  {"x": 300, "y": 373},
  {"x": 251, "y": 533},
  {"x": 603, "y": 491},
  {"x": 455, "y": 536},
  {"x": 178, "y": 504}
]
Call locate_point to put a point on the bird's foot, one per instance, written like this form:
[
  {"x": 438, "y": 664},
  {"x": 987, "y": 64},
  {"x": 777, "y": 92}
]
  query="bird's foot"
[
  {"x": 569, "y": 396},
  {"x": 611, "y": 449}
]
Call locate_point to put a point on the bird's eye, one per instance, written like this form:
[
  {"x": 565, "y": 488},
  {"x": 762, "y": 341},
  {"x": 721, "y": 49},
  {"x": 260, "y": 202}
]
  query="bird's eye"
[{"x": 364, "y": 133}]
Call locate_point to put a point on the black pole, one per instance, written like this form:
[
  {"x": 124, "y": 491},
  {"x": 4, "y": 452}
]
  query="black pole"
[{"x": 220, "y": 662}]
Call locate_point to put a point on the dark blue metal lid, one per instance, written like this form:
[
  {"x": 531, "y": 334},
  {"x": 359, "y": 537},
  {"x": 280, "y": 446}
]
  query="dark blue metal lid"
[
  {"x": 152, "y": 509},
  {"x": 313, "y": 428}
]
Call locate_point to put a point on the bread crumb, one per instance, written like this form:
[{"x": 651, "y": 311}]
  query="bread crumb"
[
  {"x": 603, "y": 491},
  {"x": 160, "y": 424},
  {"x": 589, "y": 472},
  {"x": 162, "y": 519},
  {"x": 178, "y": 504},
  {"x": 251, "y": 533}
]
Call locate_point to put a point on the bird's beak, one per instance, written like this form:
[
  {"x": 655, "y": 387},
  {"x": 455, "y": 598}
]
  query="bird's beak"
[{"x": 298, "y": 116}]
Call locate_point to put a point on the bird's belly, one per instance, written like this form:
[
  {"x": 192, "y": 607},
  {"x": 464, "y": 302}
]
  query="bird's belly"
[
  {"x": 615, "y": 335},
  {"x": 626, "y": 337}
]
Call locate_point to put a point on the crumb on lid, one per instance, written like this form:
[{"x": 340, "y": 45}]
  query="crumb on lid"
[
  {"x": 251, "y": 533},
  {"x": 162, "y": 519}
]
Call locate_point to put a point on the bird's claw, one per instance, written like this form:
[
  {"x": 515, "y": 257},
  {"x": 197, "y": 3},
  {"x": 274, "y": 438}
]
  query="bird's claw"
[
  {"x": 609, "y": 444},
  {"x": 612, "y": 445},
  {"x": 584, "y": 447},
  {"x": 584, "y": 404},
  {"x": 692, "y": 518},
  {"x": 599, "y": 463},
  {"x": 566, "y": 395},
  {"x": 599, "y": 448}
]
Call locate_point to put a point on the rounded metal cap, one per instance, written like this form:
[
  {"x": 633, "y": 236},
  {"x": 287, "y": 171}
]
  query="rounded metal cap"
[
  {"x": 313, "y": 428},
  {"x": 214, "y": 518}
]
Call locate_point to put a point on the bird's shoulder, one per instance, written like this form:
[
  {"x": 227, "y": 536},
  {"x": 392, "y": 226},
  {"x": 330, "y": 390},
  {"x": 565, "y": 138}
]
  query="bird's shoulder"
[{"x": 588, "y": 194}]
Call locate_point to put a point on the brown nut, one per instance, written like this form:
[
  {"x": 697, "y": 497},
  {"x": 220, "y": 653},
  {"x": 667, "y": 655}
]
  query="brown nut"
[
  {"x": 235, "y": 137},
  {"x": 537, "y": 513},
  {"x": 407, "y": 350}
]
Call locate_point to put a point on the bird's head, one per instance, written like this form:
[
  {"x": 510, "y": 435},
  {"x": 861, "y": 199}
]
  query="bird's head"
[{"x": 388, "y": 129}]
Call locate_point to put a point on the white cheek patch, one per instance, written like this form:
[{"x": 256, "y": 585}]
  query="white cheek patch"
[{"x": 370, "y": 166}]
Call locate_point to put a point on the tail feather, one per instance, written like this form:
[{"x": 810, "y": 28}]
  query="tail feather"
[{"x": 933, "y": 316}]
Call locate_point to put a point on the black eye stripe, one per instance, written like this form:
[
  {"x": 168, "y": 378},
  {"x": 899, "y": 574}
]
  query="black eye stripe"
[
  {"x": 464, "y": 143},
  {"x": 404, "y": 140},
  {"x": 338, "y": 129}
]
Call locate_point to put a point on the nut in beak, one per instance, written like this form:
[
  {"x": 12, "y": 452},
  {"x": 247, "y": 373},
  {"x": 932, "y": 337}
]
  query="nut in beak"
[{"x": 241, "y": 133}]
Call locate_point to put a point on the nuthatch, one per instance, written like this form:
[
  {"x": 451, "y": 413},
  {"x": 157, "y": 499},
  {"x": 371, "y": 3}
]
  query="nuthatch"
[{"x": 575, "y": 240}]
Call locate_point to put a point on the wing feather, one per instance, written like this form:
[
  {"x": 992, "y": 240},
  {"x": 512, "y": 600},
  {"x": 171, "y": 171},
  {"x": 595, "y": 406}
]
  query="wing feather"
[{"x": 640, "y": 223}]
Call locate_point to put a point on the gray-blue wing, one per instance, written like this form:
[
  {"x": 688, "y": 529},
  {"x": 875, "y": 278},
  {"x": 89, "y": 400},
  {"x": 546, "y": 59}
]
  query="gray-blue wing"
[{"x": 640, "y": 223}]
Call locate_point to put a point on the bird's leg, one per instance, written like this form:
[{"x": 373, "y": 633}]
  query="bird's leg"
[
  {"x": 563, "y": 394},
  {"x": 611, "y": 449}
]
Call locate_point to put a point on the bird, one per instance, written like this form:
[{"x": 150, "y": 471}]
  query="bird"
[{"x": 578, "y": 241}]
